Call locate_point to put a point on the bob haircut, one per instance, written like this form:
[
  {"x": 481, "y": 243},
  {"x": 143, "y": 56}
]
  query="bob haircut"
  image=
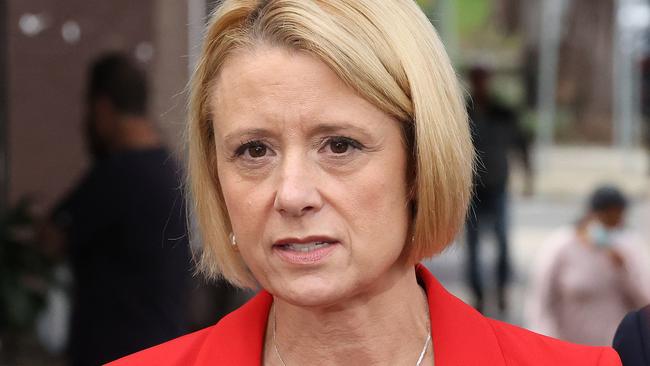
[{"x": 389, "y": 53}]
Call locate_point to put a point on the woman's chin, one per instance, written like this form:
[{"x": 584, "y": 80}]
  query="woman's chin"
[{"x": 311, "y": 292}]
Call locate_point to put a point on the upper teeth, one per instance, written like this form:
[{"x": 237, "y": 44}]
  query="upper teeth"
[{"x": 306, "y": 247}]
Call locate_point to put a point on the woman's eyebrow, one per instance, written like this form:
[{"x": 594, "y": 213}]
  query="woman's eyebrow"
[
  {"x": 338, "y": 127},
  {"x": 248, "y": 133},
  {"x": 320, "y": 128}
]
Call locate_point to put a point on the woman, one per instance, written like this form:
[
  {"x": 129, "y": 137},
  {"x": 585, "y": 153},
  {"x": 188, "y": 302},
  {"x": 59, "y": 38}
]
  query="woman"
[
  {"x": 329, "y": 146},
  {"x": 589, "y": 276}
]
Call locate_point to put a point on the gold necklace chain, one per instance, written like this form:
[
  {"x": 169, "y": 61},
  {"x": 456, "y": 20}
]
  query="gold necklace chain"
[{"x": 277, "y": 352}]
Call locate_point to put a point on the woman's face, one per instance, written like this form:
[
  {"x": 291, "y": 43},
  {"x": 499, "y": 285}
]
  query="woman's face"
[
  {"x": 313, "y": 178},
  {"x": 611, "y": 218}
]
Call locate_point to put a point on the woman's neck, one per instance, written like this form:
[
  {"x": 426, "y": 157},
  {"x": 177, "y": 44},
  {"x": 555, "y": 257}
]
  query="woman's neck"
[{"x": 387, "y": 325}]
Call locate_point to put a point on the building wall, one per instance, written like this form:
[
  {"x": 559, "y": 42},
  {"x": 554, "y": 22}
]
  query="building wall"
[{"x": 170, "y": 71}]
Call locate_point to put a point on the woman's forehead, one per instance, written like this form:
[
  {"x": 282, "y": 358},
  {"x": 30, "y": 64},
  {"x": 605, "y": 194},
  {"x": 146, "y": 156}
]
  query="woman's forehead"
[
  {"x": 273, "y": 70},
  {"x": 276, "y": 86}
]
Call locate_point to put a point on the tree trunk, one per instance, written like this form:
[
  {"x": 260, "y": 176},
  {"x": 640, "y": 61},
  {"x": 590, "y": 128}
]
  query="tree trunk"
[{"x": 586, "y": 68}]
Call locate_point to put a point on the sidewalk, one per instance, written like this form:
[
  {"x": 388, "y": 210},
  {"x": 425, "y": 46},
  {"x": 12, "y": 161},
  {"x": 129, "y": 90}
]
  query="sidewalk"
[{"x": 567, "y": 172}]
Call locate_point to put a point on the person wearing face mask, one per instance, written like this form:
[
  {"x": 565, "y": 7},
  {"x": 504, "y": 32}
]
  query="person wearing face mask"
[{"x": 589, "y": 275}]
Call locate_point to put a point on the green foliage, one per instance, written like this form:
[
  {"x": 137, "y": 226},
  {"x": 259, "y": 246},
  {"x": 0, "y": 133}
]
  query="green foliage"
[
  {"x": 471, "y": 16},
  {"x": 426, "y": 5},
  {"x": 24, "y": 270}
]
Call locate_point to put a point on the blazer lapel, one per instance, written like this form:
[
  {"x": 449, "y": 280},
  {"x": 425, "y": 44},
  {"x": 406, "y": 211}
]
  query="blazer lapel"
[
  {"x": 461, "y": 335},
  {"x": 238, "y": 339}
]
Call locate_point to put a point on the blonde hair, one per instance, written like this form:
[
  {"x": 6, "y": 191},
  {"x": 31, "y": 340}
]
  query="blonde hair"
[{"x": 388, "y": 52}]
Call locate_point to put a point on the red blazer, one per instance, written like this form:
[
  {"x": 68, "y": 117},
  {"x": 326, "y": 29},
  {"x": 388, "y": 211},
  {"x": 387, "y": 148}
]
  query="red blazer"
[{"x": 461, "y": 337}]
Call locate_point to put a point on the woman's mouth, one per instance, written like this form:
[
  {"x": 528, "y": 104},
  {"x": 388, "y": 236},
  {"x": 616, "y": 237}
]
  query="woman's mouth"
[
  {"x": 305, "y": 248},
  {"x": 304, "y": 251}
]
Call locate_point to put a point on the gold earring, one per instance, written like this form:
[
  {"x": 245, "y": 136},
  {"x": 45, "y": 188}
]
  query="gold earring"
[{"x": 233, "y": 240}]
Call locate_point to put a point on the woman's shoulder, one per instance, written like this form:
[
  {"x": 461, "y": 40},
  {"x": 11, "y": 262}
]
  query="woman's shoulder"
[{"x": 522, "y": 347}]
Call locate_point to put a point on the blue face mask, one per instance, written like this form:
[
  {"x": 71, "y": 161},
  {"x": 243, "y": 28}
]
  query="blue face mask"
[{"x": 599, "y": 235}]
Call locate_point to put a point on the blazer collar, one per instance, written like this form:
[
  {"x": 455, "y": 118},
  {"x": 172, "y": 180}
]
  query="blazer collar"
[{"x": 461, "y": 335}]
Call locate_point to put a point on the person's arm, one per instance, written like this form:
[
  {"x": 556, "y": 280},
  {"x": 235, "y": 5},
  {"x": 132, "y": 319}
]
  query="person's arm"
[
  {"x": 520, "y": 143},
  {"x": 543, "y": 301},
  {"x": 634, "y": 270}
]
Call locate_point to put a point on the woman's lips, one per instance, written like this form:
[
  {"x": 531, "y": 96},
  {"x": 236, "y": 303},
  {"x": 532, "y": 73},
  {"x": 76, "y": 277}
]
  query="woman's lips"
[{"x": 305, "y": 253}]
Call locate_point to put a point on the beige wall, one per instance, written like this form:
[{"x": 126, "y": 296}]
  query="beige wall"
[{"x": 46, "y": 151}]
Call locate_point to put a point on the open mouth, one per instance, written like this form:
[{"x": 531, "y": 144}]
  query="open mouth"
[
  {"x": 304, "y": 247},
  {"x": 305, "y": 251}
]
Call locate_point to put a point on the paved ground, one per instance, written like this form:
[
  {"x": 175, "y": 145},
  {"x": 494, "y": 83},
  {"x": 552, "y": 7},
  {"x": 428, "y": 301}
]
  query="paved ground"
[{"x": 569, "y": 175}]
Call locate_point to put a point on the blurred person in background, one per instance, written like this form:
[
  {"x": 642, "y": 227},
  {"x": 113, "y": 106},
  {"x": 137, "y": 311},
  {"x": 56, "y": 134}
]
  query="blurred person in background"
[
  {"x": 632, "y": 338},
  {"x": 590, "y": 275},
  {"x": 123, "y": 226},
  {"x": 495, "y": 133}
]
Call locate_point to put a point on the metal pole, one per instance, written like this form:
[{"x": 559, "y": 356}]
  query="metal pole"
[
  {"x": 632, "y": 18},
  {"x": 446, "y": 13},
  {"x": 551, "y": 24},
  {"x": 622, "y": 78},
  {"x": 196, "y": 10},
  {"x": 636, "y": 130}
]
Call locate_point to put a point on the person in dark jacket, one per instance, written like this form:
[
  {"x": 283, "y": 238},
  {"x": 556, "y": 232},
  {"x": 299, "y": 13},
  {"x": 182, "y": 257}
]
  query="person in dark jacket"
[
  {"x": 632, "y": 339},
  {"x": 123, "y": 226},
  {"x": 495, "y": 133}
]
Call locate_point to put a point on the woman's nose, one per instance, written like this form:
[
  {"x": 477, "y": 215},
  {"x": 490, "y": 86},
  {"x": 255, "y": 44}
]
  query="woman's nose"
[{"x": 297, "y": 191}]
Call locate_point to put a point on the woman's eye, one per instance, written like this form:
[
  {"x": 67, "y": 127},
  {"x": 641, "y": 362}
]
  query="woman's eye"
[
  {"x": 339, "y": 147},
  {"x": 253, "y": 149},
  {"x": 257, "y": 151},
  {"x": 342, "y": 145}
]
